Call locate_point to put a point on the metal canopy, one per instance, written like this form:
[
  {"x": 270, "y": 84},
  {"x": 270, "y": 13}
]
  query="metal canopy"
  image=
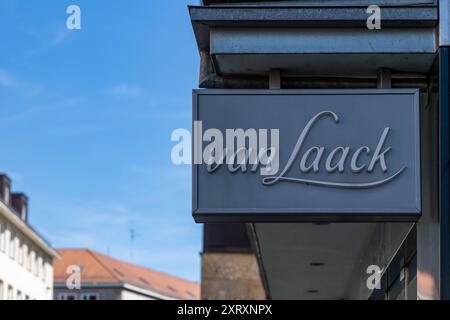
[
  {"x": 311, "y": 39},
  {"x": 321, "y": 51},
  {"x": 204, "y": 18}
]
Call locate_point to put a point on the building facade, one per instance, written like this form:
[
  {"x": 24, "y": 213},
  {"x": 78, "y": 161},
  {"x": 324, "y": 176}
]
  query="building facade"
[
  {"x": 26, "y": 259},
  {"x": 100, "y": 277},
  {"x": 230, "y": 269},
  {"x": 329, "y": 45}
]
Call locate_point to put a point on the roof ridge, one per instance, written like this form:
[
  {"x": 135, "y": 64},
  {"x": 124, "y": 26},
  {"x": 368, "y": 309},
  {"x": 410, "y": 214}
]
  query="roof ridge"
[
  {"x": 146, "y": 268},
  {"x": 94, "y": 255}
]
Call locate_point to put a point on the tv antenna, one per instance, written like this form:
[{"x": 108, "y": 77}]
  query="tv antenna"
[{"x": 133, "y": 236}]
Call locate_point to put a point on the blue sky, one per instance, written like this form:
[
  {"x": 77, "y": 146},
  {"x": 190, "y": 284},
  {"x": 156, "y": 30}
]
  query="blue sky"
[{"x": 86, "y": 117}]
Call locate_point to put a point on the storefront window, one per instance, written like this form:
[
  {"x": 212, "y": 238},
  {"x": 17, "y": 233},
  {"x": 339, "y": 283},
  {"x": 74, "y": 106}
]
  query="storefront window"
[{"x": 399, "y": 282}]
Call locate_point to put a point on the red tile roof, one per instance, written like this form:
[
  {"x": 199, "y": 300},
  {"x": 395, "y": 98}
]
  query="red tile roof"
[{"x": 98, "y": 268}]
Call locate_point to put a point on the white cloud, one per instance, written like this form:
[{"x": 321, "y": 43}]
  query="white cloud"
[
  {"x": 56, "y": 38},
  {"x": 127, "y": 90},
  {"x": 12, "y": 82},
  {"x": 6, "y": 80},
  {"x": 36, "y": 110}
]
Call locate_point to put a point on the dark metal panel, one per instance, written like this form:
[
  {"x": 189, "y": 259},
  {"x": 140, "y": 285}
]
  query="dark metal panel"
[
  {"x": 310, "y": 17},
  {"x": 428, "y": 234},
  {"x": 226, "y": 238},
  {"x": 205, "y": 216},
  {"x": 444, "y": 172},
  {"x": 256, "y": 247},
  {"x": 320, "y": 2}
]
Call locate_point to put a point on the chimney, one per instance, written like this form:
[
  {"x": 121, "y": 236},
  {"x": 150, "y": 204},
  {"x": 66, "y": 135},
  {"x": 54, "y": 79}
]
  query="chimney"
[
  {"x": 5, "y": 189},
  {"x": 19, "y": 202}
]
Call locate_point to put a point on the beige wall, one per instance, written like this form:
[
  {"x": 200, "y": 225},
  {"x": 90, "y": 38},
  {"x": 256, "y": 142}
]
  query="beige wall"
[
  {"x": 231, "y": 276},
  {"x": 128, "y": 295}
]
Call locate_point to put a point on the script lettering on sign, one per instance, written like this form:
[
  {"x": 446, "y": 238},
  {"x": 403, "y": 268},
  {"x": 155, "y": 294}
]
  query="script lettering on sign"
[{"x": 338, "y": 160}]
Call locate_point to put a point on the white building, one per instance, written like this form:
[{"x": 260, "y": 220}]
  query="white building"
[{"x": 26, "y": 268}]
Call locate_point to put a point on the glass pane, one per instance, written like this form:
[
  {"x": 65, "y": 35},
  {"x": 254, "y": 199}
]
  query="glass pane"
[
  {"x": 397, "y": 291},
  {"x": 412, "y": 280}
]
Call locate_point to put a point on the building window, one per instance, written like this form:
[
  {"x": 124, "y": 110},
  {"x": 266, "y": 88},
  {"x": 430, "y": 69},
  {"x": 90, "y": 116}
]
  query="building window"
[
  {"x": 10, "y": 295},
  {"x": 25, "y": 254},
  {"x": 33, "y": 262},
  {"x": 20, "y": 252},
  {"x": 1, "y": 290},
  {"x": 12, "y": 245},
  {"x": 399, "y": 281},
  {"x": 29, "y": 258},
  {"x": 44, "y": 271},
  {"x": 67, "y": 296},
  {"x": 2, "y": 241},
  {"x": 89, "y": 296},
  {"x": 39, "y": 267}
]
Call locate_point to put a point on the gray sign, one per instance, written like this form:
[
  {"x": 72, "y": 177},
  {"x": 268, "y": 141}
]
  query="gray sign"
[{"x": 307, "y": 155}]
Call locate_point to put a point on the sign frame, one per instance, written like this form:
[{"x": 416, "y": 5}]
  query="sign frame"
[{"x": 292, "y": 215}]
